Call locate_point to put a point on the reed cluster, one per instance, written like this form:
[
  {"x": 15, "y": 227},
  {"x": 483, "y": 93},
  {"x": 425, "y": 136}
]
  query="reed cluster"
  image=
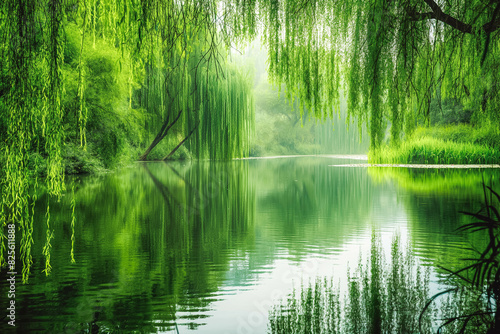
[{"x": 477, "y": 284}]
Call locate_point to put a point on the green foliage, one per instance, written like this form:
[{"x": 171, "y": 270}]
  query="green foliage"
[
  {"x": 32, "y": 57},
  {"x": 208, "y": 105},
  {"x": 113, "y": 131},
  {"x": 225, "y": 104},
  {"x": 71, "y": 70},
  {"x": 481, "y": 278},
  {"x": 448, "y": 111},
  {"x": 167, "y": 145},
  {"x": 463, "y": 133},
  {"x": 398, "y": 55},
  {"x": 78, "y": 161},
  {"x": 435, "y": 151},
  {"x": 451, "y": 144},
  {"x": 67, "y": 78}
]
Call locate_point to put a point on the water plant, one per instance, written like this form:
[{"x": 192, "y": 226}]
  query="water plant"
[{"x": 479, "y": 281}]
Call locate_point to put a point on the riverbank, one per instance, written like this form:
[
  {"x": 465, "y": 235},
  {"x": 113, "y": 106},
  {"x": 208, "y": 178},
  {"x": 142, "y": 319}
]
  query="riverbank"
[{"x": 454, "y": 144}]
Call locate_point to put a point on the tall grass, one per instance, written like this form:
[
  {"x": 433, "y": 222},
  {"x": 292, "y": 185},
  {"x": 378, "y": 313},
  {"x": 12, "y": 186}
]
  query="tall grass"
[
  {"x": 488, "y": 135},
  {"x": 381, "y": 297},
  {"x": 451, "y": 144},
  {"x": 428, "y": 150}
]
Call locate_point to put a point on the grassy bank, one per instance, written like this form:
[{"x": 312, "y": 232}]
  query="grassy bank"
[{"x": 453, "y": 144}]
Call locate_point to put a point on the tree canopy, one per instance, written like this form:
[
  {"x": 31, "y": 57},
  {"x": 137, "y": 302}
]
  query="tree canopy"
[
  {"x": 389, "y": 56},
  {"x": 175, "y": 50}
]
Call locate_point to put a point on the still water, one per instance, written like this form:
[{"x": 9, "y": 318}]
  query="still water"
[{"x": 210, "y": 247}]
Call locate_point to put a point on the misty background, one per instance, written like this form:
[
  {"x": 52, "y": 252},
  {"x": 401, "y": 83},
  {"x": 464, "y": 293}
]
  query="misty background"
[{"x": 279, "y": 127}]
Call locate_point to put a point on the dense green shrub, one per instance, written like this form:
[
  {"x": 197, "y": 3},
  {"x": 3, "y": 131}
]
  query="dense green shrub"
[
  {"x": 448, "y": 111},
  {"x": 114, "y": 131}
]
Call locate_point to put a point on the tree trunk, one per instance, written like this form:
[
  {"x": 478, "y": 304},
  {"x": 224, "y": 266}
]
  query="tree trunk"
[
  {"x": 161, "y": 134},
  {"x": 144, "y": 156},
  {"x": 180, "y": 144}
]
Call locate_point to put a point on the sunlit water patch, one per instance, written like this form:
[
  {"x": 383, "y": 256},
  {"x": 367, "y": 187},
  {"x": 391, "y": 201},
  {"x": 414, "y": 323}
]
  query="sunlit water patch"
[{"x": 211, "y": 247}]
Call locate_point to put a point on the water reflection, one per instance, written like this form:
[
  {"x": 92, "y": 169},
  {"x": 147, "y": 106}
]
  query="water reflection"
[
  {"x": 382, "y": 296},
  {"x": 210, "y": 247},
  {"x": 433, "y": 201}
]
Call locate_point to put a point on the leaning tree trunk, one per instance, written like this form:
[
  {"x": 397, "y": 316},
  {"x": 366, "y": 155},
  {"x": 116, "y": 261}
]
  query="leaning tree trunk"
[
  {"x": 182, "y": 142},
  {"x": 159, "y": 137}
]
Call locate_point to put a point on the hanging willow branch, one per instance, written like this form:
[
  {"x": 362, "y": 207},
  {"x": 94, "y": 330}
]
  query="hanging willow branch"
[{"x": 388, "y": 56}]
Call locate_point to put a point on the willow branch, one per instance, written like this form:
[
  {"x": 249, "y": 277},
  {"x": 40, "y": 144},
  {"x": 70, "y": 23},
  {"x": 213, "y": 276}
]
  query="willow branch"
[
  {"x": 438, "y": 14},
  {"x": 487, "y": 28}
]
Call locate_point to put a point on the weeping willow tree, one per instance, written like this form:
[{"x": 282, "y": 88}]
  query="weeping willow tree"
[
  {"x": 31, "y": 55},
  {"x": 225, "y": 104},
  {"x": 209, "y": 103},
  {"x": 390, "y": 56},
  {"x": 32, "y": 50}
]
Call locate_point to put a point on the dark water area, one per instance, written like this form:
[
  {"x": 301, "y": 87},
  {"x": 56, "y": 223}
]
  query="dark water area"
[{"x": 210, "y": 247}]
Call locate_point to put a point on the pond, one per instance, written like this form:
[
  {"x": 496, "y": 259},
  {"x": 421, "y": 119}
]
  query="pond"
[{"x": 210, "y": 247}]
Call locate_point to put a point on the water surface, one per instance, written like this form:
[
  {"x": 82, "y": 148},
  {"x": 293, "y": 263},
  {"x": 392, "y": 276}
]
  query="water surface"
[{"x": 209, "y": 247}]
